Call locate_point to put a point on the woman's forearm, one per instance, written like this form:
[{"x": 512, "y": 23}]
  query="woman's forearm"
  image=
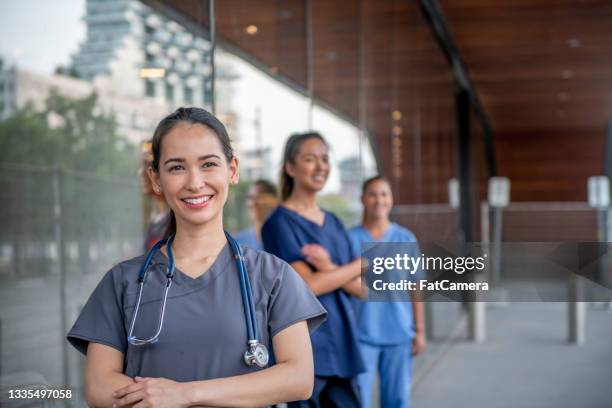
[
  {"x": 418, "y": 311},
  {"x": 328, "y": 281},
  {"x": 99, "y": 390},
  {"x": 355, "y": 288},
  {"x": 255, "y": 389}
]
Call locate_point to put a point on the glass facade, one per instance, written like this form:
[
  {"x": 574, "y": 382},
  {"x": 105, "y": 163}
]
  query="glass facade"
[{"x": 374, "y": 78}]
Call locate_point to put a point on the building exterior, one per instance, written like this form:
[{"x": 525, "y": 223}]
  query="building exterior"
[
  {"x": 256, "y": 164},
  {"x": 350, "y": 180},
  {"x": 136, "y": 116},
  {"x": 141, "y": 64},
  {"x": 143, "y": 53}
]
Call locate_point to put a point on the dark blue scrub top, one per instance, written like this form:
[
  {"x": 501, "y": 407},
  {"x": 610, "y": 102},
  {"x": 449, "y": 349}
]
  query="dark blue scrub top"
[{"x": 335, "y": 346}]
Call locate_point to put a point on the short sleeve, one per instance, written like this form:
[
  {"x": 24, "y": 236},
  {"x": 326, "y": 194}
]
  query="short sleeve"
[
  {"x": 353, "y": 235},
  {"x": 292, "y": 301},
  {"x": 409, "y": 237},
  {"x": 101, "y": 320},
  {"x": 279, "y": 239}
]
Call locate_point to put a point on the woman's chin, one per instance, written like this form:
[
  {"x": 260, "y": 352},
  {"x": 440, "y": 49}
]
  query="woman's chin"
[
  {"x": 317, "y": 186},
  {"x": 199, "y": 220}
]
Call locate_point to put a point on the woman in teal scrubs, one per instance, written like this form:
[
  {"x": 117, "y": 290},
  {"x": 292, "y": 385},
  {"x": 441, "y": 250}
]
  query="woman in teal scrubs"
[{"x": 390, "y": 333}]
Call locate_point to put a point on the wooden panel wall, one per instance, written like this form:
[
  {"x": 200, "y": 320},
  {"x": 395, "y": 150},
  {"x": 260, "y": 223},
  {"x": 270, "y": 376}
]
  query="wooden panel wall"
[{"x": 541, "y": 69}]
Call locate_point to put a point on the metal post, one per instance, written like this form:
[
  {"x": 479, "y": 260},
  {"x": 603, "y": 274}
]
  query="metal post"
[
  {"x": 497, "y": 238},
  {"x": 576, "y": 313},
  {"x": 478, "y": 309},
  {"x": 465, "y": 193},
  {"x": 59, "y": 239},
  {"x": 309, "y": 62},
  {"x": 608, "y": 224},
  {"x": 498, "y": 197},
  {"x": 484, "y": 223},
  {"x": 605, "y": 276},
  {"x": 464, "y": 164},
  {"x": 258, "y": 142},
  {"x": 602, "y": 225},
  {"x": 213, "y": 42}
]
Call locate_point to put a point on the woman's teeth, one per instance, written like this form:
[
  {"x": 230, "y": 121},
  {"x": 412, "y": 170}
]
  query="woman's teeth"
[{"x": 199, "y": 200}]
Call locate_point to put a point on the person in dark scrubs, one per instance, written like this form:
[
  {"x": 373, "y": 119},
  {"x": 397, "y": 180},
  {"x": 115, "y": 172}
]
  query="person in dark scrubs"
[
  {"x": 261, "y": 200},
  {"x": 198, "y": 358},
  {"x": 298, "y": 231}
]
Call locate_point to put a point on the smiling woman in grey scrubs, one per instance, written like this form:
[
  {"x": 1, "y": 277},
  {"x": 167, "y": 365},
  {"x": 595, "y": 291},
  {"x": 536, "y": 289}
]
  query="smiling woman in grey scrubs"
[{"x": 198, "y": 358}]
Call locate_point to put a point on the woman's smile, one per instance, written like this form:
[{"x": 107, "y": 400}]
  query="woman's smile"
[{"x": 197, "y": 202}]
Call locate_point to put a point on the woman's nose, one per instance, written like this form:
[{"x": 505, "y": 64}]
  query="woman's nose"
[{"x": 195, "y": 181}]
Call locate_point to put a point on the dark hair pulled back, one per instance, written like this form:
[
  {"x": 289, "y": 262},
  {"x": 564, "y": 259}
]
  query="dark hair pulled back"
[
  {"x": 292, "y": 148},
  {"x": 366, "y": 184},
  {"x": 194, "y": 116}
]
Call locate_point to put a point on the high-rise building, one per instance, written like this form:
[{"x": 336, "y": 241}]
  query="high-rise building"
[
  {"x": 143, "y": 53},
  {"x": 136, "y": 116},
  {"x": 142, "y": 65}
]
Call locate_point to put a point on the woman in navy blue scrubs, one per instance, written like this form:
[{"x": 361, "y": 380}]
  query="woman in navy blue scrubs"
[{"x": 295, "y": 232}]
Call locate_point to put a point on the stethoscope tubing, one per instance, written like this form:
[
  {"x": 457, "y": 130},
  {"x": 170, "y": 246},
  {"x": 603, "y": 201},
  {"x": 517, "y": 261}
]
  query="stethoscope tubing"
[{"x": 245, "y": 288}]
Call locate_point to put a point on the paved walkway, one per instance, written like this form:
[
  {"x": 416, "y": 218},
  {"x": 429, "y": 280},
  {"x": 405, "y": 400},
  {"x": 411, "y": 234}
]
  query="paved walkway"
[{"x": 525, "y": 362}]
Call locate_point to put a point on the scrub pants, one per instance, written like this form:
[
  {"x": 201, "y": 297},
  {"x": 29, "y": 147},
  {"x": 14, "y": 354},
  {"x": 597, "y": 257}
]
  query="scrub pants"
[
  {"x": 394, "y": 365},
  {"x": 331, "y": 392}
]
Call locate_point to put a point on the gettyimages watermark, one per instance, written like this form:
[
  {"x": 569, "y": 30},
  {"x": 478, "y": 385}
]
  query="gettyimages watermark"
[{"x": 517, "y": 271}]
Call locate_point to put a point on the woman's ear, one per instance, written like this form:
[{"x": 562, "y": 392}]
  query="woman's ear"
[
  {"x": 155, "y": 183},
  {"x": 234, "y": 170},
  {"x": 290, "y": 169}
]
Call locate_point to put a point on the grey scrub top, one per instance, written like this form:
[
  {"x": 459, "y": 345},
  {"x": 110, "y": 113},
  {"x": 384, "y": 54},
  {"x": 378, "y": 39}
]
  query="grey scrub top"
[{"x": 204, "y": 331}]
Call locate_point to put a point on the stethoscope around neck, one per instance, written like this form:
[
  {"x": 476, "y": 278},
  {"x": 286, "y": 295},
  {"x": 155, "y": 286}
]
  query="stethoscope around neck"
[{"x": 256, "y": 353}]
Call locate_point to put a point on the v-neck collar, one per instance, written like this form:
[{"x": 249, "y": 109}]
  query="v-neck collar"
[
  {"x": 384, "y": 236},
  {"x": 181, "y": 278},
  {"x": 301, "y": 217}
]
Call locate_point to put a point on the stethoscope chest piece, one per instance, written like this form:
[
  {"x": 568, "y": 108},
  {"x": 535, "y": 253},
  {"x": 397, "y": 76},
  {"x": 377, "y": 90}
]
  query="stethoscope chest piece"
[{"x": 257, "y": 354}]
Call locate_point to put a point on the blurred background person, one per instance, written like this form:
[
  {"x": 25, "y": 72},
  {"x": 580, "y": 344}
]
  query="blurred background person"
[
  {"x": 155, "y": 205},
  {"x": 390, "y": 333},
  {"x": 289, "y": 233},
  {"x": 261, "y": 200}
]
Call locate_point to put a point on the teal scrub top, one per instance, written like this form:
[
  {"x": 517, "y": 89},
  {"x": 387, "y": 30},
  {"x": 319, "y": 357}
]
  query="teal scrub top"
[{"x": 385, "y": 323}]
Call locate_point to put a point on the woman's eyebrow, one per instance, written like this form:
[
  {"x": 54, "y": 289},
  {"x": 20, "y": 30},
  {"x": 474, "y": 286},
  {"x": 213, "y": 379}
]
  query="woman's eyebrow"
[
  {"x": 174, "y": 159},
  {"x": 209, "y": 156},
  {"x": 181, "y": 160}
]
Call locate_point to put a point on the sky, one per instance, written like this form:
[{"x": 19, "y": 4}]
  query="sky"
[{"x": 40, "y": 34}]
